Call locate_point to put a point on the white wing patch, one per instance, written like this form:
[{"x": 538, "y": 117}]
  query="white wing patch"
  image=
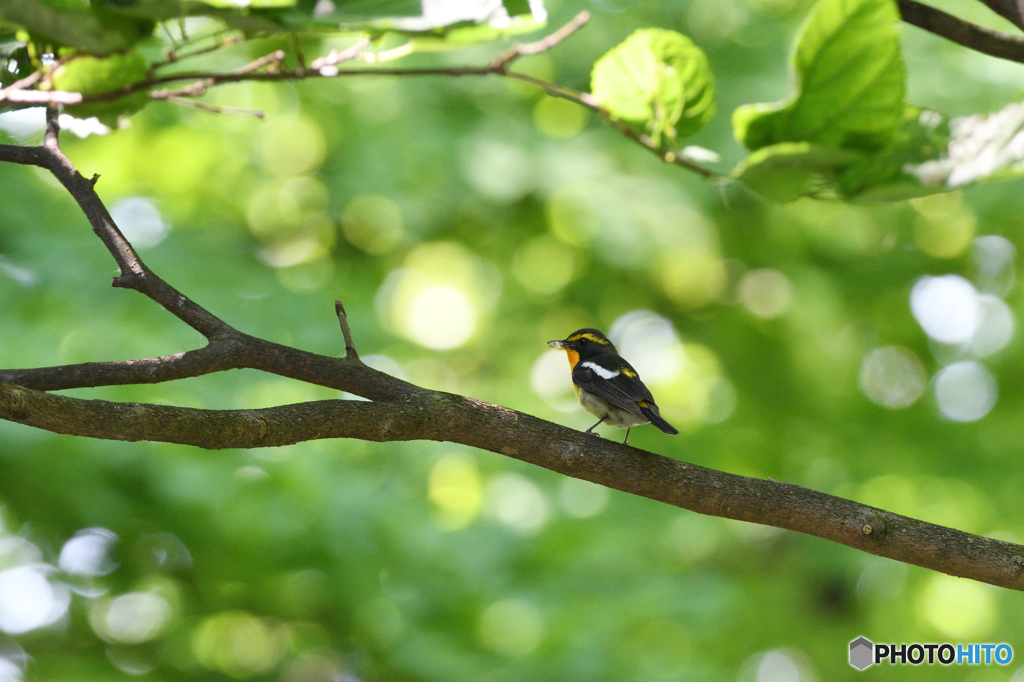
[{"x": 600, "y": 371}]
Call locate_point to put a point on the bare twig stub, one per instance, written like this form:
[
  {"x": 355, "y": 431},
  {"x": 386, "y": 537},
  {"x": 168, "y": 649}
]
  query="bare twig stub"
[
  {"x": 346, "y": 332},
  {"x": 402, "y": 411}
]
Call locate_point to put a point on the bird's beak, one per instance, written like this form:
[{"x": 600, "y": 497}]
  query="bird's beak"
[{"x": 556, "y": 344}]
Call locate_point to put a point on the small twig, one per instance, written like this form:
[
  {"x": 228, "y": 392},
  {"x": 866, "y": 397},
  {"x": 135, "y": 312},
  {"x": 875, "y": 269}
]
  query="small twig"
[
  {"x": 350, "y": 348},
  {"x": 52, "y": 138},
  {"x": 213, "y": 108},
  {"x": 300, "y": 56},
  {"x": 273, "y": 59},
  {"x": 170, "y": 37},
  {"x": 335, "y": 57},
  {"x": 42, "y": 97},
  {"x": 518, "y": 50},
  {"x": 972, "y": 36},
  {"x": 197, "y": 89},
  {"x": 25, "y": 82},
  {"x": 177, "y": 56},
  {"x": 403, "y": 50}
]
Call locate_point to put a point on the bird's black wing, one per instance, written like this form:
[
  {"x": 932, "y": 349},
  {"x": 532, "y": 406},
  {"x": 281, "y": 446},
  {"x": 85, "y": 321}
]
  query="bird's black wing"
[{"x": 621, "y": 390}]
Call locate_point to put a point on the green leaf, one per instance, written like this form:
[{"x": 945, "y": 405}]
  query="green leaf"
[
  {"x": 75, "y": 24},
  {"x": 920, "y": 138},
  {"x": 850, "y": 82},
  {"x": 92, "y": 75},
  {"x": 658, "y": 79},
  {"x": 790, "y": 170}
]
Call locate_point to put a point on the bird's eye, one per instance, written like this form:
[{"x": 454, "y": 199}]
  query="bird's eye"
[{"x": 583, "y": 342}]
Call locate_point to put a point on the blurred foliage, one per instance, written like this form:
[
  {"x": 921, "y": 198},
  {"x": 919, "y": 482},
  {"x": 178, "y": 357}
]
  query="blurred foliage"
[{"x": 866, "y": 351}]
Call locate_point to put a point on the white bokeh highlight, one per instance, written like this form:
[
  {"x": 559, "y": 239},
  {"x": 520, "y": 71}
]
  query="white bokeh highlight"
[
  {"x": 995, "y": 326},
  {"x": 516, "y": 502},
  {"x": 994, "y": 258},
  {"x": 9, "y": 671},
  {"x": 87, "y": 554},
  {"x": 965, "y": 391},
  {"x": 893, "y": 377},
  {"x": 650, "y": 343},
  {"x": 765, "y": 293},
  {"x": 946, "y": 307},
  {"x": 24, "y": 124},
  {"x": 550, "y": 380},
  {"x": 136, "y": 617},
  {"x": 441, "y": 317},
  {"x": 28, "y": 600},
  {"x": 140, "y": 222}
]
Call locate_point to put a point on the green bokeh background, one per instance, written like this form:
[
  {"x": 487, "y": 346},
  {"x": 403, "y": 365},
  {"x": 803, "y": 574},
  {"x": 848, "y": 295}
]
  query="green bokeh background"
[{"x": 345, "y": 560}]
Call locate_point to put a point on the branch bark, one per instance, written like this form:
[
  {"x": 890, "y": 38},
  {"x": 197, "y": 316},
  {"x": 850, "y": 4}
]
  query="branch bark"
[{"x": 402, "y": 411}]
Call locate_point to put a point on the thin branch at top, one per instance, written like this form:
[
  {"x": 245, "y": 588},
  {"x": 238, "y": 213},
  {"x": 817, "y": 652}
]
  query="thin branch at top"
[
  {"x": 977, "y": 38},
  {"x": 326, "y": 67}
]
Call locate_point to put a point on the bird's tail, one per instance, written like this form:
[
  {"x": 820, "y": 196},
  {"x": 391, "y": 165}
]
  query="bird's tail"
[{"x": 650, "y": 410}]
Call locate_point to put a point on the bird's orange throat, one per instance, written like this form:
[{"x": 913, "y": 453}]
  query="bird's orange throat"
[{"x": 574, "y": 357}]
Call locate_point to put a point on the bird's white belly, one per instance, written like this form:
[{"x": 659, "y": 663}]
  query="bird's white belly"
[{"x": 612, "y": 415}]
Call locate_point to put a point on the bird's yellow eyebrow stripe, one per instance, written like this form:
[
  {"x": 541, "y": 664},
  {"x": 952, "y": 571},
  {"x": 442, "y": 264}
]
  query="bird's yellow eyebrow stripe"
[{"x": 590, "y": 337}]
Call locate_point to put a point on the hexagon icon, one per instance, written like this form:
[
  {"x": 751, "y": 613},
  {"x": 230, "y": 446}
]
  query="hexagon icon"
[{"x": 861, "y": 653}]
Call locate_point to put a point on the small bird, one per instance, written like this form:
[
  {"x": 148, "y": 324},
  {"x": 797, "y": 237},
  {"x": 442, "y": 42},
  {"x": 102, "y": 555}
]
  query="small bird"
[{"x": 607, "y": 386}]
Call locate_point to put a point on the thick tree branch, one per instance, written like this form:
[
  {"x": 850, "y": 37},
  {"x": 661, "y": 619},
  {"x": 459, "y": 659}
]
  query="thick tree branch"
[
  {"x": 978, "y": 38},
  {"x": 444, "y": 417},
  {"x": 234, "y": 350}
]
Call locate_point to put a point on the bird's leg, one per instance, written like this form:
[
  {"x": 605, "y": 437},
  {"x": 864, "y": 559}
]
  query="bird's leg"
[
  {"x": 625, "y": 441},
  {"x": 591, "y": 429}
]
